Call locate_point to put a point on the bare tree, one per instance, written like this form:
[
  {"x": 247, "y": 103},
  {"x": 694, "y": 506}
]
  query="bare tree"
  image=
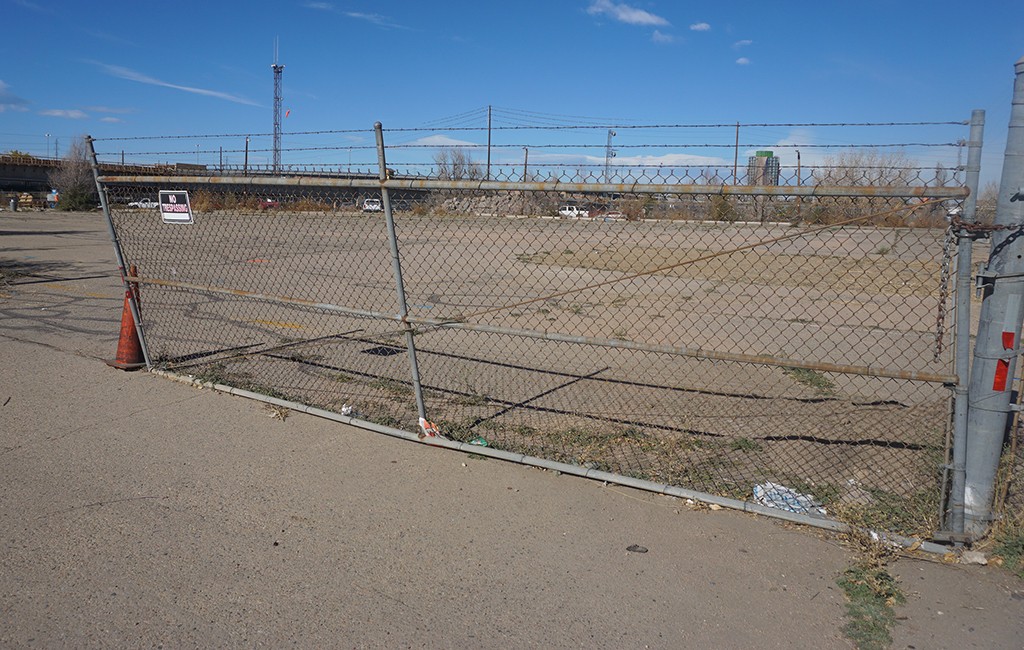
[
  {"x": 862, "y": 169},
  {"x": 73, "y": 178},
  {"x": 456, "y": 164},
  {"x": 987, "y": 200}
]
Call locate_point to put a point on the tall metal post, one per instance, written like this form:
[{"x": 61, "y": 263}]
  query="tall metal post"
[
  {"x": 133, "y": 305},
  {"x": 609, "y": 153},
  {"x": 396, "y": 267},
  {"x": 962, "y": 344},
  {"x": 278, "y": 69},
  {"x": 488, "y": 142},
  {"x": 736, "y": 157},
  {"x": 999, "y": 327}
]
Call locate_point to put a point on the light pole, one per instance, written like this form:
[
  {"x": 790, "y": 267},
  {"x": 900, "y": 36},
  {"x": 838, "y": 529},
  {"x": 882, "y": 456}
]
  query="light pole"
[{"x": 608, "y": 154}]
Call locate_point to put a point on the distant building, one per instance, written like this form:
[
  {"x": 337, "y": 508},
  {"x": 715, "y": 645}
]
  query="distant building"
[{"x": 763, "y": 169}]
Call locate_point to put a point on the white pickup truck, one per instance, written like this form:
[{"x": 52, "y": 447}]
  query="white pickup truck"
[
  {"x": 144, "y": 203},
  {"x": 573, "y": 211}
]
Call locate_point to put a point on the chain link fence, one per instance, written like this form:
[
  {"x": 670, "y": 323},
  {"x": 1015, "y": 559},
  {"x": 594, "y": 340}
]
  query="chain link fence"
[{"x": 784, "y": 342}]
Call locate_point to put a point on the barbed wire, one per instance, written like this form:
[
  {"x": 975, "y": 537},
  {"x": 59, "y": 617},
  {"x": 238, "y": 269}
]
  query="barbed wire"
[
  {"x": 554, "y": 146},
  {"x": 553, "y": 127}
]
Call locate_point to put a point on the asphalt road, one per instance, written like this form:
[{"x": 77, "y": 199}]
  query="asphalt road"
[{"x": 136, "y": 511}]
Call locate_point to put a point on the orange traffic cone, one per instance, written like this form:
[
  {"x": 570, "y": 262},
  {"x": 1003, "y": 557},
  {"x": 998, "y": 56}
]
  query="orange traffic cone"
[{"x": 129, "y": 348}]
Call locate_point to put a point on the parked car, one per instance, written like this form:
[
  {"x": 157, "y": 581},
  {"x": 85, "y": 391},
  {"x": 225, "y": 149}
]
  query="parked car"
[
  {"x": 144, "y": 203},
  {"x": 269, "y": 204},
  {"x": 573, "y": 211},
  {"x": 372, "y": 205}
]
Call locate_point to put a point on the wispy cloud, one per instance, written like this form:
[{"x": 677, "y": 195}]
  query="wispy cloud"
[
  {"x": 111, "y": 120},
  {"x": 743, "y": 61},
  {"x": 109, "y": 109},
  {"x": 661, "y": 37},
  {"x": 33, "y": 6},
  {"x": 441, "y": 141},
  {"x": 9, "y": 101},
  {"x": 665, "y": 160},
  {"x": 745, "y": 42},
  {"x": 132, "y": 75},
  {"x": 68, "y": 114},
  {"x": 700, "y": 27},
  {"x": 625, "y": 13},
  {"x": 376, "y": 19}
]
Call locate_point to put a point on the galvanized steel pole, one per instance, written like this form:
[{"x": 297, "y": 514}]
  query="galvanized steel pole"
[
  {"x": 133, "y": 306},
  {"x": 999, "y": 328},
  {"x": 396, "y": 266},
  {"x": 962, "y": 344}
]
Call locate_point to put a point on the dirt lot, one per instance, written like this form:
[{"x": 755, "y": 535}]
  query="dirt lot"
[{"x": 137, "y": 511}]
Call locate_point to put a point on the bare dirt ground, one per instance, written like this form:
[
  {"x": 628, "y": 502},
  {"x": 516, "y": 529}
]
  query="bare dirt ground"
[
  {"x": 862, "y": 296},
  {"x": 137, "y": 511}
]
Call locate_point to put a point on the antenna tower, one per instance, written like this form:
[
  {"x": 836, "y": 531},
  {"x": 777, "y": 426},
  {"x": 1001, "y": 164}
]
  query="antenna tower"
[{"x": 278, "y": 69}]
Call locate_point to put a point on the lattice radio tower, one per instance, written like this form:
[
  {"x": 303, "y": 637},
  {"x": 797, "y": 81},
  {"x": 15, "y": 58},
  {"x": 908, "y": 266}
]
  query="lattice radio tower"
[{"x": 278, "y": 69}]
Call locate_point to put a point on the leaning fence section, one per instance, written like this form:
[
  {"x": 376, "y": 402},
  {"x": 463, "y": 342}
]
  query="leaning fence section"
[{"x": 780, "y": 344}]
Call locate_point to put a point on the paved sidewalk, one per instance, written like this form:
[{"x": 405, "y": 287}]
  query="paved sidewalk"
[{"x": 139, "y": 511}]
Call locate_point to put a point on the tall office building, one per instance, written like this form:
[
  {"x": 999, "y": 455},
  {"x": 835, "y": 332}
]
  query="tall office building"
[{"x": 763, "y": 169}]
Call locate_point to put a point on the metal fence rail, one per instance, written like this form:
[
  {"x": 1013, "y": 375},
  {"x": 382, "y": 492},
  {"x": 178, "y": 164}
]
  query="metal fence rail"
[{"x": 741, "y": 341}]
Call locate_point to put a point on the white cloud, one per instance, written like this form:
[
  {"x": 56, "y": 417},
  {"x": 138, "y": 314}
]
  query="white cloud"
[
  {"x": 376, "y": 19},
  {"x": 441, "y": 141},
  {"x": 111, "y": 120},
  {"x": 700, "y": 27},
  {"x": 72, "y": 114},
  {"x": 664, "y": 160},
  {"x": 131, "y": 75},
  {"x": 745, "y": 42},
  {"x": 9, "y": 101},
  {"x": 661, "y": 37},
  {"x": 625, "y": 13},
  {"x": 109, "y": 109},
  {"x": 743, "y": 61}
]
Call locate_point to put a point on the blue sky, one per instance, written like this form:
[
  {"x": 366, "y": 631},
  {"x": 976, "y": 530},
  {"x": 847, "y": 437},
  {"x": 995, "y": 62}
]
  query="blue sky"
[{"x": 117, "y": 69}]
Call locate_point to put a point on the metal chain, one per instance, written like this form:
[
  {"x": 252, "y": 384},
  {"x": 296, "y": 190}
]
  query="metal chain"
[{"x": 947, "y": 263}]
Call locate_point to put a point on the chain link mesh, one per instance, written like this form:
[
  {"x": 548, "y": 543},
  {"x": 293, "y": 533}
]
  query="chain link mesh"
[{"x": 706, "y": 336}]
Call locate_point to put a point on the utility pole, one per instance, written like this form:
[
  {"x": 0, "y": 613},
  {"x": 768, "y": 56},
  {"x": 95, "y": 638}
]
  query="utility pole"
[
  {"x": 245, "y": 164},
  {"x": 526, "y": 163},
  {"x": 488, "y": 142},
  {"x": 609, "y": 153},
  {"x": 999, "y": 328},
  {"x": 736, "y": 156}
]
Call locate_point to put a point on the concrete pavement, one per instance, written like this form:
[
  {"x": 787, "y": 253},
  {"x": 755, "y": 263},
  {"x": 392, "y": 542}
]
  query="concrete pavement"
[{"x": 136, "y": 511}]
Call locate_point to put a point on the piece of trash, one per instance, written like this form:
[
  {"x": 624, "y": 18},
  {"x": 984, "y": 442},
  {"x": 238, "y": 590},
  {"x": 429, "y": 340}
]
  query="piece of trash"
[
  {"x": 781, "y": 497},
  {"x": 973, "y": 557},
  {"x": 429, "y": 428},
  {"x": 636, "y": 548},
  {"x": 715, "y": 506},
  {"x": 464, "y": 465},
  {"x": 346, "y": 410},
  {"x": 479, "y": 441}
]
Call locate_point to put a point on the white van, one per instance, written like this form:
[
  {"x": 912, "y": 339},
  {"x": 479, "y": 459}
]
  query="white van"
[{"x": 372, "y": 205}]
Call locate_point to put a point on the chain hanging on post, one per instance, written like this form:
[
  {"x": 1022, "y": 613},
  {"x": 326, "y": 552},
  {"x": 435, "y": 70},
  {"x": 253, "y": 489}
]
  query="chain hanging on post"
[{"x": 948, "y": 246}]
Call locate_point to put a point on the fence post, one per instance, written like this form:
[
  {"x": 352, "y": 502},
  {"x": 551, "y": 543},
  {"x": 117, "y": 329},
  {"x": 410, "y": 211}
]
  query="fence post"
[
  {"x": 396, "y": 267},
  {"x": 118, "y": 255},
  {"x": 962, "y": 344},
  {"x": 999, "y": 328}
]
